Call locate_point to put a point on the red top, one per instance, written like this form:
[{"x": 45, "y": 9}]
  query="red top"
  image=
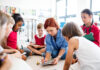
[
  {"x": 95, "y": 30},
  {"x": 39, "y": 41},
  {"x": 12, "y": 40}
]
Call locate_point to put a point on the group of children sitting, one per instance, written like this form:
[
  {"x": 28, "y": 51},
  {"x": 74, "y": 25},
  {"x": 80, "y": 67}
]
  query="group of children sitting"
[
  {"x": 57, "y": 44},
  {"x": 9, "y": 27}
]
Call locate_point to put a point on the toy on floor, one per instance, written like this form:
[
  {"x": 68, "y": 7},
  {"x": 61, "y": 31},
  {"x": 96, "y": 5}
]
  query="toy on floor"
[{"x": 38, "y": 63}]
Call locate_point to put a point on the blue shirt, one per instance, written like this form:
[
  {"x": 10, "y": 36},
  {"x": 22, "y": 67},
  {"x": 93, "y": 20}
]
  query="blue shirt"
[{"x": 60, "y": 42}]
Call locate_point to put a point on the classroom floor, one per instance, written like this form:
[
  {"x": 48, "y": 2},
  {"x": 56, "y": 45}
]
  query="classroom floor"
[{"x": 32, "y": 61}]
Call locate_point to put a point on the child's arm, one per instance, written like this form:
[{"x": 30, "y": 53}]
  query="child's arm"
[
  {"x": 10, "y": 51},
  {"x": 20, "y": 50},
  {"x": 17, "y": 48},
  {"x": 4, "y": 44},
  {"x": 72, "y": 46},
  {"x": 61, "y": 52}
]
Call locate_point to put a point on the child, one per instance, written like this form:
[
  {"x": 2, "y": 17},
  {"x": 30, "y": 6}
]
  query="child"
[
  {"x": 56, "y": 45},
  {"x": 12, "y": 38},
  {"x": 87, "y": 53},
  {"x": 89, "y": 27},
  {"x": 39, "y": 46},
  {"x": 11, "y": 41}
]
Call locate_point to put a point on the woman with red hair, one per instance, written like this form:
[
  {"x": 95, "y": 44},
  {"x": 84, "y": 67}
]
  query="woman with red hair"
[{"x": 56, "y": 45}]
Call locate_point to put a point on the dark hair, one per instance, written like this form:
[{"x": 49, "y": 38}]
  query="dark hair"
[
  {"x": 17, "y": 17},
  {"x": 71, "y": 29},
  {"x": 39, "y": 26},
  {"x": 87, "y": 11},
  {"x": 51, "y": 22}
]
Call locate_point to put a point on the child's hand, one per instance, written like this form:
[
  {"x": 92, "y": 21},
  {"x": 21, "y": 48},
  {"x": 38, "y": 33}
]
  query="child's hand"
[
  {"x": 21, "y": 51},
  {"x": 18, "y": 55},
  {"x": 74, "y": 60},
  {"x": 44, "y": 60},
  {"x": 14, "y": 51},
  {"x": 39, "y": 46},
  {"x": 36, "y": 46},
  {"x": 31, "y": 43},
  {"x": 55, "y": 61},
  {"x": 84, "y": 34},
  {"x": 6, "y": 64},
  {"x": 42, "y": 46}
]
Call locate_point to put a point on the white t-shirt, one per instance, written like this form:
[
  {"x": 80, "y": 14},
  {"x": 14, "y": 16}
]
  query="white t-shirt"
[
  {"x": 1, "y": 49},
  {"x": 88, "y": 54}
]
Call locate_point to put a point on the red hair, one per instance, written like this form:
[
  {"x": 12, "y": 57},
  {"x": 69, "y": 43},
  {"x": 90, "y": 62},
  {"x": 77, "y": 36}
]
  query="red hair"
[{"x": 51, "y": 22}]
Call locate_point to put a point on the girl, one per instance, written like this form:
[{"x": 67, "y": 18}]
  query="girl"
[
  {"x": 87, "y": 53},
  {"x": 12, "y": 38},
  {"x": 38, "y": 47},
  {"x": 91, "y": 30},
  {"x": 56, "y": 45}
]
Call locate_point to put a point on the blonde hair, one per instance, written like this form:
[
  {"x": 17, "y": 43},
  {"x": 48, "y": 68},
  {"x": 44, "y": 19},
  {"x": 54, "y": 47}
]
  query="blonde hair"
[{"x": 5, "y": 19}]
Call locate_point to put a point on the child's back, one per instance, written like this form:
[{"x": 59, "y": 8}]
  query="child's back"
[{"x": 88, "y": 54}]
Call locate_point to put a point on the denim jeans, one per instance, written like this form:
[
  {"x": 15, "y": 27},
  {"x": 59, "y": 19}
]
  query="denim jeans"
[{"x": 55, "y": 53}]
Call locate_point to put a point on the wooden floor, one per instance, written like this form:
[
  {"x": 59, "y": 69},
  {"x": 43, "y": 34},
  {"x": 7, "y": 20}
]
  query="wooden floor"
[{"x": 32, "y": 61}]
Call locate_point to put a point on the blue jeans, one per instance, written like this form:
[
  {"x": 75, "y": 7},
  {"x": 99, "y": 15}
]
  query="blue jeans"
[{"x": 55, "y": 53}]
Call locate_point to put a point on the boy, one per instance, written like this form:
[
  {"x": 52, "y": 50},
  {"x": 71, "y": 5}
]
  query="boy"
[{"x": 39, "y": 46}]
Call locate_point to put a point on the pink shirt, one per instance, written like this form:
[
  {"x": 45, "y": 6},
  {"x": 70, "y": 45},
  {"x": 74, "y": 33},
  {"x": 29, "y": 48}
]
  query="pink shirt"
[{"x": 12, "y": 40}]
